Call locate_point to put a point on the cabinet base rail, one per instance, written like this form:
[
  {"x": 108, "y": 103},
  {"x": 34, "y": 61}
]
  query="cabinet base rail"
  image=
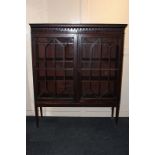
[{"x": 113, "y": 108}]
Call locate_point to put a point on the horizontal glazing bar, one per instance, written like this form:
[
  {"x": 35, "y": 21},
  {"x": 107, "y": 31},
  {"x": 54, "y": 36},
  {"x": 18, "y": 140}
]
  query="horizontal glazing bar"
[
  {"x": 98, "y": 69},
  {"x": 55, "y": 43},
  {"x": 57, "y": 69},
  {"x": 98, "y": 59},
  {"x": 56, "y": 78},
  {"x": 57, "y": 60},
  {"x": 93, "y": 78}
]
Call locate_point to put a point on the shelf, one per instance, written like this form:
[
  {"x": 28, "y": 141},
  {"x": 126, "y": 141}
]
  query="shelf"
[
  {"x": 83, "y": 78},
  {"x": 54, "y": 69},
  {"x": 97, "y": 96},
  {"x": 55, "y": 59},
  {"x": 99, "y": 69},
  {"x": 49, "y": 96},
  {"x": 98, "y": 59},
  {"x": 39, "y": 42},
  {"x": 55, "y": 78},
  {"x": 96, "y": 78}
]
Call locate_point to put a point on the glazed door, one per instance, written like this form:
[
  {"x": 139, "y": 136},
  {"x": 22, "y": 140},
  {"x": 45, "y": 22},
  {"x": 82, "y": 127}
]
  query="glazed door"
[
  {"x": 98, "y": 67},
  {"x": 54, "y": 66}
]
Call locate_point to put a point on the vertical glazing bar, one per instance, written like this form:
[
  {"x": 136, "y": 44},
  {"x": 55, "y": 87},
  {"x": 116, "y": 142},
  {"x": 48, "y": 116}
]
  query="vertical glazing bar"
[
  {"x": 100, "y": 67},
  {"x": 90, "y": 67},
  {"x": 75, "y": 69},
  {"x": 109, "y": 64},
  {"x": 45, "y": 63},
  {"x": 64, "y": 57},
  {"x": 79, "y": 73},
  {"x": 55, "y": 85}
]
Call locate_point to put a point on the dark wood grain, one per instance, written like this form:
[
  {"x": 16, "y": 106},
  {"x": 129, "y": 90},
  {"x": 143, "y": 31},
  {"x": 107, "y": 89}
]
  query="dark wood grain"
[{"x": 77, "y": 65}]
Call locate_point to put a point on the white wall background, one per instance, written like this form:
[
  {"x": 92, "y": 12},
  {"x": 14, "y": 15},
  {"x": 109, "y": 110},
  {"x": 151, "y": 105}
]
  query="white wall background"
[{"x": 77, "y": 11}]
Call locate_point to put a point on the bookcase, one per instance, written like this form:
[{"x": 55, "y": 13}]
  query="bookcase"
[{"x": 77, "y": 65}]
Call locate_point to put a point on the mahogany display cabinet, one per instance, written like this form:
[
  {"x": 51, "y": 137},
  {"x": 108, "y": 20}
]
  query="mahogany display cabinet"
[{"x": 77, "y": 65}]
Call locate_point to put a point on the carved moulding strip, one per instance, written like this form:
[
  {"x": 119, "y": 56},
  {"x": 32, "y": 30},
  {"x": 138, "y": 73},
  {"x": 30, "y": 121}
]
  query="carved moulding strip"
[
  {"x": 76, "y": 28},
  {"x": 72, "y": 30}
]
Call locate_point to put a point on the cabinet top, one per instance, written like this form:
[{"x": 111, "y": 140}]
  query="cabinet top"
[{"x": 63, "y": 25}]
